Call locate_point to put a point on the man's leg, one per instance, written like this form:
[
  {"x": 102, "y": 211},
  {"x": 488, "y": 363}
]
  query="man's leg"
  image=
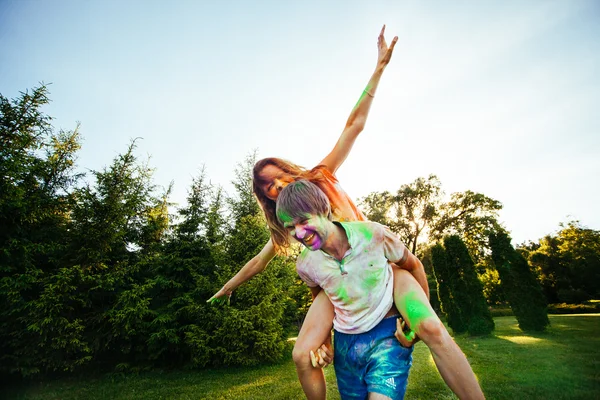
[
  {"x": 388, "y": 365},
  {"x": 351, "y": 362},
  {"x": 314, "y": 332},
  {"x": 449, "y": 359}
]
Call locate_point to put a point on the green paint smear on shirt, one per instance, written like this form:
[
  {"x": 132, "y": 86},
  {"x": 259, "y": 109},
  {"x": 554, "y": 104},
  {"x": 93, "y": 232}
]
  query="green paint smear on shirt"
[
  {"x": 342, "y": 294},
  {"x": 372, "y": 280},
  {"x": 364, "y": 230}
]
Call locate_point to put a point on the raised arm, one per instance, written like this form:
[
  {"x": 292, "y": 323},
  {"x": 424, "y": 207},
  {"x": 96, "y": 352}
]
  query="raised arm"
[
  {"x": 358, "y": 117},
  {"x": 255, "y": 266}
]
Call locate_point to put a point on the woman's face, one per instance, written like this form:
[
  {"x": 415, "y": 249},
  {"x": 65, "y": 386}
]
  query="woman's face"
[{"x": 276, "y": 180}]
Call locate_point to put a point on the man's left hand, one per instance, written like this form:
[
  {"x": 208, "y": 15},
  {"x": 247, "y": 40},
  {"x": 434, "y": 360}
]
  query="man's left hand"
[
  {"x": 406, "y": 336},
  {"x": 322, "y": 357}
]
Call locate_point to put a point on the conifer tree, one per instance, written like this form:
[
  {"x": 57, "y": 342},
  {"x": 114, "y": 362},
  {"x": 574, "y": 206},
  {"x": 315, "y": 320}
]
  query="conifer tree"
[
  {"x": 468, "y": 290},
  {"x": 447, "y": 280},
  {"x": 522, "y": 289},
  {"x": 36, "y": 177}
]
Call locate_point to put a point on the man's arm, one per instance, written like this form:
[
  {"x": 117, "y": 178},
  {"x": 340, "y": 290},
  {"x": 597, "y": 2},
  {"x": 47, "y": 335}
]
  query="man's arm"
[
  {"x": 358, "y": 117},
  {"x": 413, "y": 265},
  {"x": 314, "y": 291},
  {"x": 394, "y": 249}
]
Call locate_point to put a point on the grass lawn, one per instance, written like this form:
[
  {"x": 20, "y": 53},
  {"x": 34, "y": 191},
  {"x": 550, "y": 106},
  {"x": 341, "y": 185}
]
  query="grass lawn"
[{"x": 562, "y": 363}]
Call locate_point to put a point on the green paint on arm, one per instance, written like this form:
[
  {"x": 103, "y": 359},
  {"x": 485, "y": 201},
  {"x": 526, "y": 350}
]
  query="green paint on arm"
[
  {"x": 417, "y": 310},
  {"x": 362, "y": 96}
]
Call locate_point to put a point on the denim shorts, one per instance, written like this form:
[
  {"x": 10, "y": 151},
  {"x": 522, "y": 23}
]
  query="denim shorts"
[{"x": 373, "y": 361}]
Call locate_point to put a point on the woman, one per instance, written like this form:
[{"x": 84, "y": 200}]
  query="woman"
[{"x": 270, "y": 176}]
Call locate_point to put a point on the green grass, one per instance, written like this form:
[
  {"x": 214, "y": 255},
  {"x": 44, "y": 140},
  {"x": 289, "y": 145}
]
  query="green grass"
[{"x": 562, "y": 363}]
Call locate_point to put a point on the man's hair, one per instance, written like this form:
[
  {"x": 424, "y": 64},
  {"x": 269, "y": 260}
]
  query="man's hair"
[{"x": 300, "y": 198}]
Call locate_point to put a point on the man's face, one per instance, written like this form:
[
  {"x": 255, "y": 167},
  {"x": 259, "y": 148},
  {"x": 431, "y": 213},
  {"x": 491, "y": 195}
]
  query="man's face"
[{"x": 311, "y": 230}]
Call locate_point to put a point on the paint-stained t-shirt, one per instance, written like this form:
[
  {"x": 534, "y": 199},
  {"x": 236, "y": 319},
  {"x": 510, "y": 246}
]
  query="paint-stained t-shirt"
[
  {"x": 342, "y": 207},
  {"x": 360, "y": 286}
]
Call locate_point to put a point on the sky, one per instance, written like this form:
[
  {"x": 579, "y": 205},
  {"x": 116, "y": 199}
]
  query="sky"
[{"x": 497, "y": 97}]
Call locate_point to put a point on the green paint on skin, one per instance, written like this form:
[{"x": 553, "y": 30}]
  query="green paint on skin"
[
  {"x": 362, "y": 96},
  {"x": 416, "y": 309}
]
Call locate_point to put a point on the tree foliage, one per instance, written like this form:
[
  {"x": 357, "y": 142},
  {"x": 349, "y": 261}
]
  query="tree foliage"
[
  {"x": 520, "y": 285},
  {"x": 419, "y": 214},
  {"x": 460, "y": 291},
  {"x": 98, "y": 273},
  {"x": 448, "y": 282},
  {"x": 567, "y": 263}
]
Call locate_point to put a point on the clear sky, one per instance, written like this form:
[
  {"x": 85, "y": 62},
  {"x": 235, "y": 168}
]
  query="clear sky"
[{"x": 498, "y": 97}]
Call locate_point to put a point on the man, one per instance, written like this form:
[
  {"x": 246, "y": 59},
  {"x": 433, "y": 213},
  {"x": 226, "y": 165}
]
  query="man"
[{"x": 350, "y": 261}]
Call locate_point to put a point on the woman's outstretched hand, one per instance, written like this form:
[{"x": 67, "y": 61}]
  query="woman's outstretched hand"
[
  {"x": 384, "y": 53},
  {"x": 222, "y": 296}
]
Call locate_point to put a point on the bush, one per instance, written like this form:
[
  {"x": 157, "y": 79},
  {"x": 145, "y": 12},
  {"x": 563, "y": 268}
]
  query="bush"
[
  {"x": 564, "y": 308},
  {"x": 480, "y": 325},
  {"x": 522, "y": 290},
  {"x": 573, "y": 296}
]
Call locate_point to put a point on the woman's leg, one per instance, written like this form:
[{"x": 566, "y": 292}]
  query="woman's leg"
[
  {"x": 314, "y": 332},
  {"x": 449, "y": 359}
]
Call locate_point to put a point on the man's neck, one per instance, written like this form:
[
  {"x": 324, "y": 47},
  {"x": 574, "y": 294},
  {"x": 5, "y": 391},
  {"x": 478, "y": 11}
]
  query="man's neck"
[{"x": 337, "y": 243}]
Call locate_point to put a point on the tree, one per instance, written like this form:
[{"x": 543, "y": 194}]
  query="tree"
[
  {"x": 459, "y": 289},
  {"x": 519, "y": 283},
  {"x": 410, "y": 212},
  {"x": 567, "y": 263},
  {"x": 257, "y": 308},
  {"x": 472, "y": 216},
  {"x": 447, "y": 278},
  {"x": 418, "y": 214},
  {"x": 36, "y": 174},
  {"x": 468, "y": 290}
]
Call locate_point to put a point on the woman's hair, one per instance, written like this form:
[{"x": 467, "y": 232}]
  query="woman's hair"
[{"x": 279, "y": 235}]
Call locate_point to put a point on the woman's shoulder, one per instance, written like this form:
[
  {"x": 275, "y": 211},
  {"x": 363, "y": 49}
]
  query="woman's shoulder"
[{"x": 321, "y": 171}]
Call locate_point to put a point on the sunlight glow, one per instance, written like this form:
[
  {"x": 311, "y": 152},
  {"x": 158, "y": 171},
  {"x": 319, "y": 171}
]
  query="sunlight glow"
[{"x": 523, "y": 339}]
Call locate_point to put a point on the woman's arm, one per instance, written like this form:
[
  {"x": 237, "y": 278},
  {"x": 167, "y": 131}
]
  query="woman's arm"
[
  {"x": 358, "y": 117},
  {"x": 255, "y": 266}
]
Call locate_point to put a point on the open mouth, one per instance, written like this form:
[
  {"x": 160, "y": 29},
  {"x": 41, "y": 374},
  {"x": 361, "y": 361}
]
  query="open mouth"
[{"x": 308, "y": 239}]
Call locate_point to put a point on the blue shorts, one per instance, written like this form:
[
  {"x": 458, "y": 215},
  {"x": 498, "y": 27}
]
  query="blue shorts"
[{"x": 373, "y": 361}]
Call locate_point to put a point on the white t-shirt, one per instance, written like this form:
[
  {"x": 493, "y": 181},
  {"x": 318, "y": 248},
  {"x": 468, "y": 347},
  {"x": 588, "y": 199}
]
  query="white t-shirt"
[{"x": 360, "y": 286}]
